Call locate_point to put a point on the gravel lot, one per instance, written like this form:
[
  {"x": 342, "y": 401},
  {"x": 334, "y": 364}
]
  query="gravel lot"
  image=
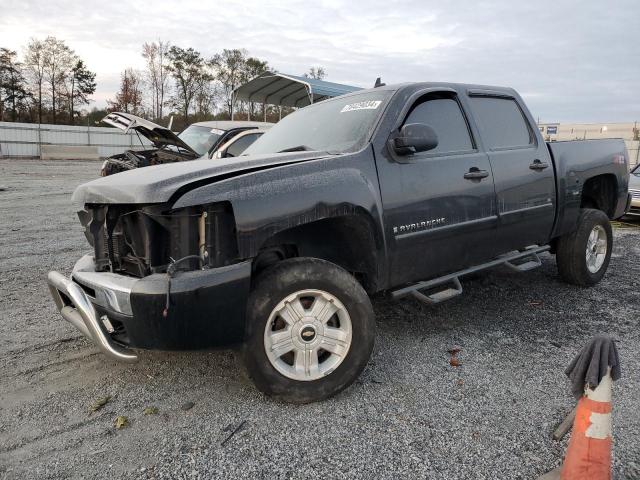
[{"x": 410, "y": 415}]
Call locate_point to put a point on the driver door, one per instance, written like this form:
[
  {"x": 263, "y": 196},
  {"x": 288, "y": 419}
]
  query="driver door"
[{"x": 440, "y": 212}]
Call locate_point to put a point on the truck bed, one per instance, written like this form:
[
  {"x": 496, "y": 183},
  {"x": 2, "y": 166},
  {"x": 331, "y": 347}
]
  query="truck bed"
[{"x": 575, "y": 161}]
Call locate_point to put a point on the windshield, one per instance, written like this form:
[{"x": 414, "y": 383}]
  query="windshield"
[
  {"x": 201, "y": 139},
  {"x": 338, "y": 125}
]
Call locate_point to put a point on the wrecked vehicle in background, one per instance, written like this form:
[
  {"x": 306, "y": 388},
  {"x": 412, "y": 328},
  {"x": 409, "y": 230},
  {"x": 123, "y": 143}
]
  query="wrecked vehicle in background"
[
  {"x": 197, "y": 140},
  {"x": 238, "y": 144}
]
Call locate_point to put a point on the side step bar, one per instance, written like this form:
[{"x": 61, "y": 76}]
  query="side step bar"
[{"x": 529, "y": 254}]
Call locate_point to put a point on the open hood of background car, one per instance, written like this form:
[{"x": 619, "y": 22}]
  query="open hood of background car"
[{"x": 159, "y": 136}]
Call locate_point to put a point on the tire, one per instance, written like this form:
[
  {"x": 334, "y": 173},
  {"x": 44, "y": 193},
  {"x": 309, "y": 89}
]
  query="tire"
[
  {"x": 572, "y": 257},
  {"x": 291, "y": 309}
]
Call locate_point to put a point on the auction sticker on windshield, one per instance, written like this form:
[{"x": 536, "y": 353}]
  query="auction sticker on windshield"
[{"x": 368, "y": 105}]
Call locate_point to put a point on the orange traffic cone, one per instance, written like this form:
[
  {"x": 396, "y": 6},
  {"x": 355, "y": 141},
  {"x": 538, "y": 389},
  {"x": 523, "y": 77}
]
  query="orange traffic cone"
[{"x": 589, "y": 452}]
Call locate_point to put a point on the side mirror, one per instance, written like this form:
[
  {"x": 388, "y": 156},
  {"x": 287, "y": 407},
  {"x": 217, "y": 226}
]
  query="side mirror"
[{"x": 415, "y": 137}]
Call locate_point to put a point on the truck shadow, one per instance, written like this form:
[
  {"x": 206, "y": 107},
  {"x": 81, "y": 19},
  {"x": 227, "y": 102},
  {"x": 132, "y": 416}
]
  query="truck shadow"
[{"x": 529, "y": 313}]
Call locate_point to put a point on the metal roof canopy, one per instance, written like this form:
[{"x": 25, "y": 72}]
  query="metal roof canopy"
[{"x": 289, "y": 90}]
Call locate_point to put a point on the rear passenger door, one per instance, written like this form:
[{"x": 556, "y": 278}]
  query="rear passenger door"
[
  {"x": 522, "y": 170},
  {"x": 439, "y": 205}
]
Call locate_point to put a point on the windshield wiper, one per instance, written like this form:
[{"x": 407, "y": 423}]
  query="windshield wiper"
[{"x": 298, "y": 148}]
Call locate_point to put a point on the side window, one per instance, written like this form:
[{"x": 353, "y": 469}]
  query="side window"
[
  {"x": 241, "y": 145},
  {"x": 501, "y": 122},
  {"x": 446, "y": 118}
]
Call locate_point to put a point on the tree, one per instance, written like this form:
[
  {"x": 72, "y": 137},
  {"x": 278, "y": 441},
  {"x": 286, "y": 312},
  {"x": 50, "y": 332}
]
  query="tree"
[
  {"x": 58, "y": 62},
  {"x": 230, "y": 72},
  {"x": 252, "y": 68},
  {"x": 316, "y": 72},
  {"x": 205, "y": 98},
  {"x": 35, "y": 63},
  {"x": 129, "y": 97},
  {"x": 95, "y": 115},
  {"x": 83, "y": 84},
  {"x": 188, "y": 69},
  {"x": 156, "y": 55},
  {"x": 13, "y": 92}
]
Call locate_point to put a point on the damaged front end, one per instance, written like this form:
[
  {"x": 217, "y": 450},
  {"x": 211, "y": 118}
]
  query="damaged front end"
[
  {"x": 142, "y": 240},
  {"x": 159, "y": 278}
]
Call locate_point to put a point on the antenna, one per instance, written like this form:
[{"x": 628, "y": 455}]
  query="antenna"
[{"x": 378, "y": 83}]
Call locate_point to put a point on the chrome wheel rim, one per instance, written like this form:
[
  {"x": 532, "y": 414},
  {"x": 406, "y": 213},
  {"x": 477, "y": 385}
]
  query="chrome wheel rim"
[
  {"x": 308, "y": 335},
  {"x": 596, "y": 248}
]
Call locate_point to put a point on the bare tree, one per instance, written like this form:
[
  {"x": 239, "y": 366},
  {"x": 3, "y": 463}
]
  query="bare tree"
[
  {"x": 316, "y": 72},
  {"x": 252, "y": 68},
  {"x": 129, "y": 97},
  {"x": 205, "y": 98},
  {"x": 35, "y": 60},
  {"x": 230, "y": 71},
  {"x": 58, "y": 62},
  {"x": 156, "y": 55}
]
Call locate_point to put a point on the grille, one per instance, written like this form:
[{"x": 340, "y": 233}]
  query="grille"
[{"x": 634, "y": 193}]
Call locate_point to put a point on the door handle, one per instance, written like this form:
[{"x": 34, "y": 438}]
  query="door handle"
[
  {"x": 475, "y": 173},
  {"x": 538, "y": 165}
]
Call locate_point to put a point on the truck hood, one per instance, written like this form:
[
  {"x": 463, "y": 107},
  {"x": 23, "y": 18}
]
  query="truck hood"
[
  {"x": 156, "y": 134},
  {"x": 159, "y": 183}
]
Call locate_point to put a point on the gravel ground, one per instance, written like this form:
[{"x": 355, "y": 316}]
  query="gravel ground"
[{"x": 410, "y": 415}]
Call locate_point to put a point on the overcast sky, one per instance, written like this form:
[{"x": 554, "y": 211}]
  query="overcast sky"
[{"x": 573, "y": 61}]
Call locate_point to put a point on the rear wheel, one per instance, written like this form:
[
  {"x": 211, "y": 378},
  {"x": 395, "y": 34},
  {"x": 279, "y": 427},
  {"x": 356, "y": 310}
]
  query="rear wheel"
[
  {"x": 583, "y": 255},
  {"x": 310, "y": 330}
]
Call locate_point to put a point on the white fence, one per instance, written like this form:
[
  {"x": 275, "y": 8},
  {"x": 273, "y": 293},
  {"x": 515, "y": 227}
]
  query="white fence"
[{"x": 27, "y": 139}]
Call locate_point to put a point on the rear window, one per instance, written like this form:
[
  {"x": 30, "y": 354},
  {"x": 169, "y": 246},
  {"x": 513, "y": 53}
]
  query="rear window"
[{"x": 501, "y": 122}]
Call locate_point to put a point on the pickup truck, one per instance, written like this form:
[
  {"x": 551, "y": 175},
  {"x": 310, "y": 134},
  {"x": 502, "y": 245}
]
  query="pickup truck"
[{"x": 402, "y": 189}]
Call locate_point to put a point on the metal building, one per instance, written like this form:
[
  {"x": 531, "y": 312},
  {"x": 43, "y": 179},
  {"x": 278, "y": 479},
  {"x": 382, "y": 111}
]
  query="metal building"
[
  {"x": 629, "y": 132},
  {"x": 286, "y": 90}
]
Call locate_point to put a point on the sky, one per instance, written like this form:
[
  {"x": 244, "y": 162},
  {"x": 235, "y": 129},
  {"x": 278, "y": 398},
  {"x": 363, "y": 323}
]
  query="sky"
[{"x": 572, "y": 61}]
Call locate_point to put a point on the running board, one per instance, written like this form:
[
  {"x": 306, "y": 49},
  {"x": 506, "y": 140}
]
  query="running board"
[{"x": 529, "y": 254}]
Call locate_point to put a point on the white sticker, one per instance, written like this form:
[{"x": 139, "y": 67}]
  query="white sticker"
[
  {"x": 368, "y": 105},
  {"x": 217, "y": 131}
]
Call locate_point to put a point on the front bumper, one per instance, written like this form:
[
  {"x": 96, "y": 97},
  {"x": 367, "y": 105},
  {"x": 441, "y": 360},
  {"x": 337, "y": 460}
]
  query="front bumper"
[
  {"x": 119, "y": 312},
  {"x": 76, "y": 307},
  {"x": 634, "y": 204}
]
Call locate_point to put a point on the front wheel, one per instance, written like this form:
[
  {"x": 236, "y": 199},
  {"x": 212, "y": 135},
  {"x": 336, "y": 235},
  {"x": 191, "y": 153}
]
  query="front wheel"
[
  {"x": 583, "y": 255},
  {"x": 310, "y": 330}
]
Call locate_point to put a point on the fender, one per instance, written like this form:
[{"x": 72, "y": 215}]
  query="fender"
[
  {"x": 270, "y": 201},
  {"x": 577, "y": 162}
]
